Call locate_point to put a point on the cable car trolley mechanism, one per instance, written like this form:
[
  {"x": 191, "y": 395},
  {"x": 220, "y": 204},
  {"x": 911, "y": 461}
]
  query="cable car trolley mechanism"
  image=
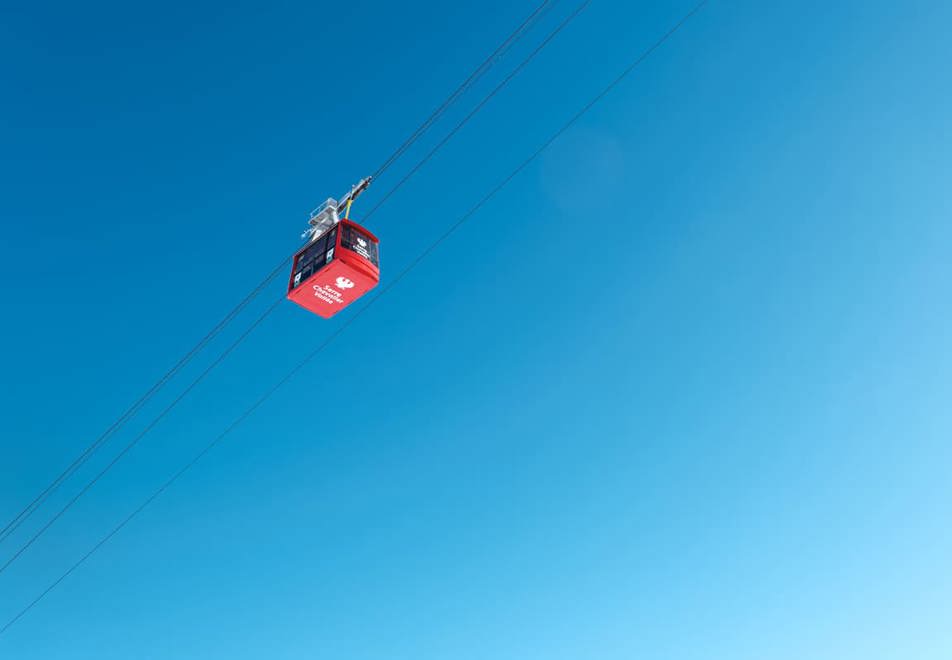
[{"x": 340, "y": 261}]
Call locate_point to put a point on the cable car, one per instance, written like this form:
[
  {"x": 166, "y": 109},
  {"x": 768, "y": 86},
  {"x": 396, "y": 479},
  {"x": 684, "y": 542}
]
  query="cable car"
[{"x": 340, "y": 262}]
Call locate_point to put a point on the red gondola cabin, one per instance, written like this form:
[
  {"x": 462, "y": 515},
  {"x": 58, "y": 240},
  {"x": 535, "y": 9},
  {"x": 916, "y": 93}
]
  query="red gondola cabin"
[{"x": 335, "y": 269}]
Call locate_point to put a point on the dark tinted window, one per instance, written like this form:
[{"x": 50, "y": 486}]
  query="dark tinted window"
[
  {"x": 319, "y": 245},
  {"x": 359, "y": 242},
  {"x": 314, "y": 257},
  {"x": 307, "y": 256}
]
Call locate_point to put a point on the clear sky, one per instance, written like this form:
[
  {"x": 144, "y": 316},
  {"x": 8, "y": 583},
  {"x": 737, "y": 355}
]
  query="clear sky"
[{"x": 680, "y": 391}]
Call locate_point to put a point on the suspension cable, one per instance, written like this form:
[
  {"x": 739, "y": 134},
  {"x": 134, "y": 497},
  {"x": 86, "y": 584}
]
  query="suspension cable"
[
  {"x": 487, "y": 64},
  {"x": 78, "y": 462},
  {"x": 125, "y": 450},
  {"x": 478, "y": 107}
]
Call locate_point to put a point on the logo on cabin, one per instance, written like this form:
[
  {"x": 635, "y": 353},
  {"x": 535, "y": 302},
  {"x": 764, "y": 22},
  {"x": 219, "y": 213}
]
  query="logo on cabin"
[{"x": 344, "y": 283}]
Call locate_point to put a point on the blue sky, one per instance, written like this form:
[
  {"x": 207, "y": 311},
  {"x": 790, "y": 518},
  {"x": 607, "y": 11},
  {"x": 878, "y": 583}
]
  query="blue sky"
[{"x": 680, "y": 391}]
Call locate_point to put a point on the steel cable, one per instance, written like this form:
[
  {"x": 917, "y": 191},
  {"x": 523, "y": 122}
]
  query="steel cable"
[{"x": 487, "y": 64}]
